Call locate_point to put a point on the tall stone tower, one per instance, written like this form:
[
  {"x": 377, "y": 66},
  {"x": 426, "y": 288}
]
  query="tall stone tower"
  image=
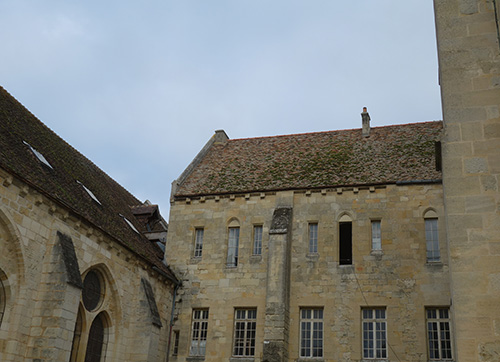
[{"x": 469, "y": 60}]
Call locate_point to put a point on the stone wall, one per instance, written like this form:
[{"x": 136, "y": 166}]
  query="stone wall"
[
  {"x": 42, "y": 299},
  {"x": 398, "y": 278},
  {"x": 469, "y": 61}
]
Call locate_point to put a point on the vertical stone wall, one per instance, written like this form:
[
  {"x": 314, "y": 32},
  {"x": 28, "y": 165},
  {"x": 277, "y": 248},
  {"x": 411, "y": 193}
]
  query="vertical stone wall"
[
  {"x": 398, "y": 278},
  {"x": 42, "y": 301},
  {"x": 469, "y": 63}
]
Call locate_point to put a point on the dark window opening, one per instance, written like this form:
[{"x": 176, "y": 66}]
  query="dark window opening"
[
  {"x": 345, "y": 243},
  {"x": 96, "y": 341}
]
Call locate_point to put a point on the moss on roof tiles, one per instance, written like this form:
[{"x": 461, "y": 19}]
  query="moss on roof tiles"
[
  {"x": 315, "y": 160},
  {"x": 17, "y": 124}
]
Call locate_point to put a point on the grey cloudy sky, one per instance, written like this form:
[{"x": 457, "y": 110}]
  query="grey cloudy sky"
[{"x": 140, "y": 86}]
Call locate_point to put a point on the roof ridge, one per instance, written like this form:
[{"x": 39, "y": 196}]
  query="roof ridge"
[{"x": 331, "y": 131}]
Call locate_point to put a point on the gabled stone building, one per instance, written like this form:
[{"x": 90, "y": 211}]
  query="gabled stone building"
[
  {"x": 82, "y": 276},
  {"x": 326, "y": 245}
]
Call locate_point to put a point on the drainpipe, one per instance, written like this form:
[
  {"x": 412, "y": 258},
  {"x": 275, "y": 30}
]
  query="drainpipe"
[{"x": 172, "y": 321}]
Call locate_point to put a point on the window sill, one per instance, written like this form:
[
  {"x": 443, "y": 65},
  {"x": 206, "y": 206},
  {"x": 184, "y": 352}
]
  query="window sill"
[
  {"x": 195, "y": 358},
  {"x": 434, "y": 264},
  {"x": 312, "y": 256},
  {"x": 255, "y": 258},
  {"x": 195, "y": 260},
  {"x": 309, "y": 359},
  {"x": 241, "y": 359}
]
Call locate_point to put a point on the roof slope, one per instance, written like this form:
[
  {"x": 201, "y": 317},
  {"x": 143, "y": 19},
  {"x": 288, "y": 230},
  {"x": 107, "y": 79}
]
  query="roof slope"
[
  {"x": 317, "y": 160},
  {"x": 63, "y": 182}
]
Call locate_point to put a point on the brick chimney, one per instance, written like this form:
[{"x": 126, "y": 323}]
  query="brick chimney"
[{"x": 365, "y": 118}]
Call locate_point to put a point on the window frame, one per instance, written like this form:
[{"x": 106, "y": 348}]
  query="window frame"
[
  {"x": 313, "y": 237},
  {"x": 199, "y": 325},
  {"x": 199, "y": 234},
  {"x": 376, "y": 235},
  {"x": 345, "y": 242},
  {"x": 373, "y": 345},
  {"x": 439, "y": 321},
  {"x": 310, "y": 324},
  {"x": 257, "y": 240},
  {"x": 244, "y": 332},
  {"x": 233, "y": 242},
  {"x": 432, "y": 247}
]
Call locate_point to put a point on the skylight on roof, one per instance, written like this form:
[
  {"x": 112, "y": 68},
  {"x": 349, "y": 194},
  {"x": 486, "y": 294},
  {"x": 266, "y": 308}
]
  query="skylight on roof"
[
  {"x": 91, "y": 194},
  {"x": 38, "y": 155},
  {"x": 130, "y": 224}
]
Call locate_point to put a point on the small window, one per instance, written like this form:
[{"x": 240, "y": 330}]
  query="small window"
[
  {"x": 199, "y": 328},
  {"x": 198, "y": 243},
  {"x": 257, "y": 240},
  {"x": 311, "y": 332},
  {"x": 439, "y": 334},
  {"x": 232, "y": 247},
  {"x": 432, "y": 240},
  {"x": 90, "y": 193},
  {"x": 245, "y": 322},
  {"x": 175, "y": 349},
  {"x": 374, "y": 333},
  {"x": 345, "y": 243},
  {"x": 129, "y": 223},
  {"x": 313, "y": 238},
  {"x": 376, "y": 235},
  {"x": 38, "y": 155},
  {"x": 93, "y": 290}
]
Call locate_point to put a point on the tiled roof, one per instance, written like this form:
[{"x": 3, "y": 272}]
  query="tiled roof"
[
  {"x": 316, "y": 160},
  {"x": 63, "y": 182}
]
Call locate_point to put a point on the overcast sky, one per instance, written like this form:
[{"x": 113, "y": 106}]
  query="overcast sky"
[{"x": 140, "y": 86}]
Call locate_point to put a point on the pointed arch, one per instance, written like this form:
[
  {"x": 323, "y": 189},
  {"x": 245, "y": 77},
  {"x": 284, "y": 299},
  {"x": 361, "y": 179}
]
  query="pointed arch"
[
  {"x": 15, "y": 248},
  {"x": 98, "y": 339}
]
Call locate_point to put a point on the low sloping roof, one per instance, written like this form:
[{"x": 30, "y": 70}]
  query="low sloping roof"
[
  {"x": 317, "y": 160},
  {"x": 63, "y": 182}
]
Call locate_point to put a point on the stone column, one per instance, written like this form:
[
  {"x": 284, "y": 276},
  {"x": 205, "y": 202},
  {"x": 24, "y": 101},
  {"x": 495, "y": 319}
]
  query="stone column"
[{"x": 276, "y": 327}]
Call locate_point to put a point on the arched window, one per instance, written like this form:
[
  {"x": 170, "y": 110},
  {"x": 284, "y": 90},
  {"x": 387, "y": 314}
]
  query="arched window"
[
  {"x": 76, "y": 336},
  {"x": 233, "y": 243},
  {"x": 345, "y": 240},
  {"x": 96, "y": 341},
  {"x": 432, "y": 237}
]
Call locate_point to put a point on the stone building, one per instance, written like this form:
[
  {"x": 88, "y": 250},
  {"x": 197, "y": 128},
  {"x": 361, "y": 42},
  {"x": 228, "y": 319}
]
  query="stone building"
[
  {"x": 468, "y": 37},
  {"x": 326, "y": 245},
  {"x": 82, "y": 276}
]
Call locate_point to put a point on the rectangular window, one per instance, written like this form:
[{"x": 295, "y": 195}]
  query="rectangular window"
[
  {"x": 245, "y": 322},
  {"x": 311, "y": 332},
  {"x": 175, "y": 350},
  {"x": 376, "y": 235},
  {"x": 232, "y": 247},
  {"x": 313, "y": 238},
  {"x": 199, "y": 328},
  {"x": 257, "y": 240},
  {"x": 198, "y": 243},
  {"x": 432, "y": 241},
  {"x": 439, "y": 333},
  {"x": 345, "y": 245},
  {"x": 374, "y": 333}
]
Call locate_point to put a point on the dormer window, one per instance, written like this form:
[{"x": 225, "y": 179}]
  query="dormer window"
[
  {"x": 129, "y": 224},
  {"x": 38, "y": 155},
  {"x": 91, "y": 194}
]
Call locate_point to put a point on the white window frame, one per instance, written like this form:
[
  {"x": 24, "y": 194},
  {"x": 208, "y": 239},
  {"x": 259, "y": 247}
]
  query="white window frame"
[
  {"x": 311, "y": 333},
  {"x": 313, "y": 237},
  {"x": 374, "y": 329},
  {"x": 245, "y": 329},
  {"x": 199, "y": 330},
  {"x": 376, "y": 235},
  {"x": 439, "y": 334},
  {"x": 257, "y": 240},
  {"x": 198, "y": 242},
  {"x": 433, "y": 253},
  {"x": 233, "y": 246}
]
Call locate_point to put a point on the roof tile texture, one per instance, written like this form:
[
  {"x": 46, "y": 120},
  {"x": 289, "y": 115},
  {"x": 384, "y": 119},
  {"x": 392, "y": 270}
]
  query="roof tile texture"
[
  {"x": 317, "y": 160},
  {"x": 17, "y": 124}
]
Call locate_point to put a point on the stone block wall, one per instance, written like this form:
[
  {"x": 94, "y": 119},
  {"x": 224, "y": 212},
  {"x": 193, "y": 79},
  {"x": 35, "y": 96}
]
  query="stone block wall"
[
  {"x": 42, "y": 303},
  {"x": 469, "y": 62},
  {"x": 398, "y": 278}
]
